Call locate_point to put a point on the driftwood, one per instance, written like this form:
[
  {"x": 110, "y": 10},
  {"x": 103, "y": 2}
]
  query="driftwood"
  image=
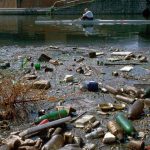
[{"x": 44, "y": 126}]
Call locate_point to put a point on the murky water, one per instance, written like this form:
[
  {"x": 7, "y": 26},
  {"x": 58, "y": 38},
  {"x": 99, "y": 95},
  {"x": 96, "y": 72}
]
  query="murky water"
[{"x": 22, "y": 31}]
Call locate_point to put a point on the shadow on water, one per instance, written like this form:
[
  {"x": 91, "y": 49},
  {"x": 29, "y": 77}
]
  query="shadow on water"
[{"x": 22, "y": 30}]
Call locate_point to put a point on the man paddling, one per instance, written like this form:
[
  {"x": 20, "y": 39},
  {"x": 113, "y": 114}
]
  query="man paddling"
[{"x": 88, "y": 15}]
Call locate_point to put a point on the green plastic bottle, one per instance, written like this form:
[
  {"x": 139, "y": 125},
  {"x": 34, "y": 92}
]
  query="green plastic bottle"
[
  {"x": 125, "y": 124},
  {"x": 54, "y": 115}
]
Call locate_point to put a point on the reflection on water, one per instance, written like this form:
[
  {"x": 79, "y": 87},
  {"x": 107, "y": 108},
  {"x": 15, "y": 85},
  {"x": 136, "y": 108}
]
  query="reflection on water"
[{"x": 22, "y": 30}]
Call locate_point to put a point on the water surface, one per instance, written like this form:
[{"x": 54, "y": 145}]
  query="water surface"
[{"x": 22, "y": 31}]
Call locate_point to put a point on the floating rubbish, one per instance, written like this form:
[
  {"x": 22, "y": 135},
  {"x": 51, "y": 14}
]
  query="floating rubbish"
[
  {"x": 35, "y": 129},
  {"x": 126, "y": 68},
  {"x": 136, "y": 109},
  {"x": 90, "y": 86},
  {"x": 125, "y": 124},
  {"x": 121, "y": 53},
  {"x": 77, "y": 140},
  {"x": 43, "y": 121},
  {"x": 109, "y": 138},
  {"x": 136, "y": 145},
  {"x": 44, "y": 58},
  {"x": 37, "y": 66},
  {"x": 56, "y": 142},
  {"x": 42, "y": 84},
  {"x": 119, "y": 106},
  {"x": 147, "y": 93},
  {"x": 58, "y": 130},
  {"x": 54, "y": 115},
  {"x": 125, "y": 99},
  {"x": 68, "y": 78},
  {"x": 105, "y": 106},
  {"x": 68, "y": 137},
  {"x": 71, "y": 147},
  {"x": 89, "y": 146},
  {"x": 99, "y": 132},
  {"x": 82, "y": 122},
  {"x": 111, "y": 89},
  {"x": 92, "y": 54},
  {"x": 115, "y": 129}
]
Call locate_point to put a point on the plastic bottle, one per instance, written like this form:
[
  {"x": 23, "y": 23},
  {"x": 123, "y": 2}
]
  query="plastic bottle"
[
  {"x": 125, "y": 99},
  {"x": 125, "y": 124},
  {"x": 95, "y": 134},
  {"x": 115, "y": 129},
  {"x": 52, "y": 116},
  {"x": 111, "y": 89},
  {"x": 56, "y": 142},
  {"x": 136, "y": 109}
]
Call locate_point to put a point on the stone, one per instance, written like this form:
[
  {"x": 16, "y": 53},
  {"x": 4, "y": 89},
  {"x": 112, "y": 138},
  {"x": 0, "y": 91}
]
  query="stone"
[
  {"x": 80, "y": 123},
  {"x": 44, "y": 57},
  {"x": 5, "y": 65},
  {"x": 109, "y": 138},
  {"x": 42, "y": 84},
  {"x": 30, "y": 77}
]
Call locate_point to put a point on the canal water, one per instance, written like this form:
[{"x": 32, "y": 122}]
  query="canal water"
[{"x": 22, "y": 31}]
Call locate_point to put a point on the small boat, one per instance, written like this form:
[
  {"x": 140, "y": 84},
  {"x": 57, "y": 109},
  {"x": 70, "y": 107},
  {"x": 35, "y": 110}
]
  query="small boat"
[{"x": 90, "y": 22}]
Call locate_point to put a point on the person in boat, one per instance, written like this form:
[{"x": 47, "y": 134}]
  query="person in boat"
[{"x": 88, "y": 15}]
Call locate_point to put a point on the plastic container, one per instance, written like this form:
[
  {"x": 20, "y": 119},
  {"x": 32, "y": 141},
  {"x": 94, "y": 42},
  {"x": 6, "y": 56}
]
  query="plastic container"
[
  {"x": 93, "y": 86},
  {"x": 37, "y": 66},
  {"x": 52, "y": 116},
  {"x": 125, "y": 124}
]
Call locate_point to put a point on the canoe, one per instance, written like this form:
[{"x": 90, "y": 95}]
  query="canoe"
[{"x": 90, "y": 22}]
